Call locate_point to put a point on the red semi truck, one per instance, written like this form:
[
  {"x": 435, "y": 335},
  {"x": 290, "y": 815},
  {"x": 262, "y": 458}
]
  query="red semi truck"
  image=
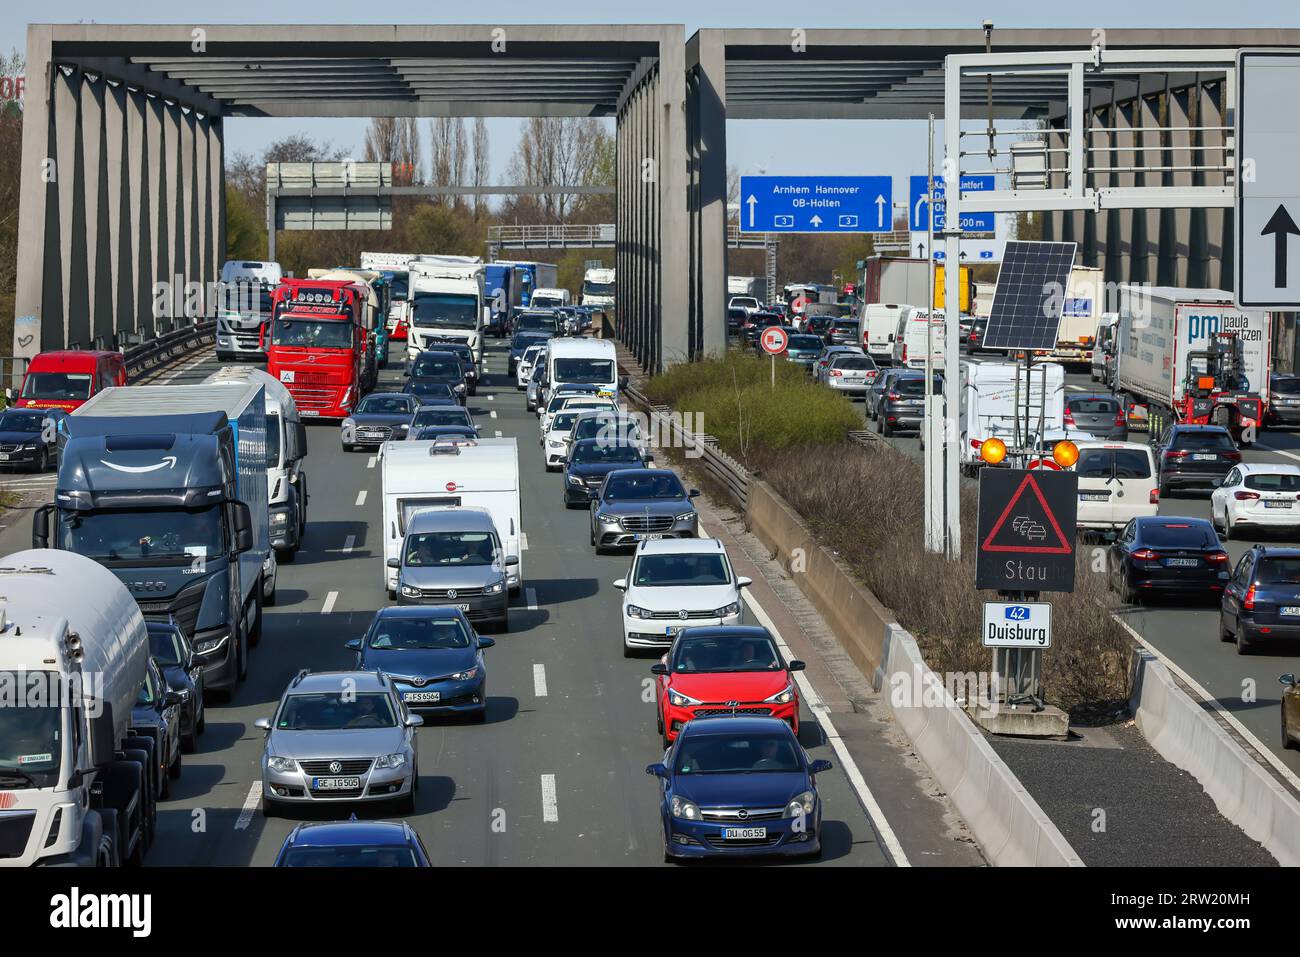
[{"x": 317, "y": 345}]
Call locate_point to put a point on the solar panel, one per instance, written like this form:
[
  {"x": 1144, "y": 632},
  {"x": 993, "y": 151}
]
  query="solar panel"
[{"x": 1032, "y": 283}]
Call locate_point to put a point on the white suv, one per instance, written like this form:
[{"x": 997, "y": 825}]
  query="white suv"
[{"x": 675, "y": 584}]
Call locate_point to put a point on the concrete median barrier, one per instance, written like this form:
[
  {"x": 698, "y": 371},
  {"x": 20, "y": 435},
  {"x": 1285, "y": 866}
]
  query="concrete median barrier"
[{"x": 1186, "y": 734}]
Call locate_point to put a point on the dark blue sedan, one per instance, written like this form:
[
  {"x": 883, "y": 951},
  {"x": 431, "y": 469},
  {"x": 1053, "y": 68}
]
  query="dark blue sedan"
[
  {"x": 1260, "y": 607},
  {"x": 1167, "y": 555},
  {"x": 353, "y": 843},
  {"x": 590, "y": 461},
  {"x": 432, "y": 655},
  {"x": 739, "y": 787}
]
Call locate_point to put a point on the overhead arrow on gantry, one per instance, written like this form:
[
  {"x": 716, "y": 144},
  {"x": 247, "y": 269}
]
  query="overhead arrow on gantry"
[{"x": 1281, "y": 226}]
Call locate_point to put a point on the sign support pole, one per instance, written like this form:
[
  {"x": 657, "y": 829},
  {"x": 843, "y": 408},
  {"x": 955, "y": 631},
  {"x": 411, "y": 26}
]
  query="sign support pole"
[
  {"x": 933, "y": 455},
  {"x": 952, "y": 310}
]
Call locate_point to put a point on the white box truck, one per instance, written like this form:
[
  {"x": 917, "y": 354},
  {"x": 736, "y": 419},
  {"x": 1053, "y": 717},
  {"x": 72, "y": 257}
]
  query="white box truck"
[
  {"x": 76, "y": 791},
  {"x": 447, "y": 304},
  {"x": 916, "y": 329},
  {"x": 598, "y": 288},
  {"x": 1080, "y": 312},
  {"x": 397, "y": 267},
  {"x": 244, "y": 306},
  {"x": 417, "y": 476},
  {"x": 1191, "y": 356},
  {"x": 987, "y": 395}
]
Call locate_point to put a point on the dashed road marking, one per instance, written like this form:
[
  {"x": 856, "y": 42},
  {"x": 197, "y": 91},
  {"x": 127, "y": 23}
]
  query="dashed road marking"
[
  {"x": 330, "y": 599},
  {"x": 550, "y": 806},
  {"x": 373, "y": 459},
  {"x": 523, "y": 541},
  {"x": 250, "y": 806},
  {"x": 361, "y": 498},
  {"x": 492, "y": 413},
  {"x": 498, "y": 433},
  {"x": 539, "y": 680}
]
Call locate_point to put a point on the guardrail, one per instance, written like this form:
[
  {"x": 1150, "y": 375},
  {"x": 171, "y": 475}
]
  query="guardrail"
[
  {"x": 729, "y": 473},
  {"x": 147, "y": 356},
  {"x": 551, "y": 236}
]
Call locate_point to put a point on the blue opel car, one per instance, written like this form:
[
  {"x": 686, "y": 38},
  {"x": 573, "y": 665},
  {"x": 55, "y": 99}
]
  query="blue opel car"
[
  {"x": 739, "y": 787},
  {"x": 432, "y": 655}
]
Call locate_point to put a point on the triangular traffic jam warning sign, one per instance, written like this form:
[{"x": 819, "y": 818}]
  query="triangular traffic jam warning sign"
[{"x": 1027, "y": 525}]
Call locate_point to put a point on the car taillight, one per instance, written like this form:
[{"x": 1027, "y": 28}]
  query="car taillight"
[
  {"x": 1249, "y": 600},
  {"x": 893, "y": 397},
  {"x": 1145, "y": 554},
  {"x": 836, "y": 373},
  {"x": 1155, "y": 496},
  {"x": 1231, "y": 456},
  {"x": 1119, "y": 418},
  {"x": 904, "y": 352},
  {"x": 975, "y": 443},
  {"x": 1245, "y": 496},
  {"x": 1068, "y": 419},
  {"x": 1175, "y": 454},
  {"x": 1219, "y": 558}
]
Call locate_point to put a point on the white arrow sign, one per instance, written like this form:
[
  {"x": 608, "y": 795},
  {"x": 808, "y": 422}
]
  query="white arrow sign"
[
  {"x": 816, "y": 221},
  {"x": 751, "y": 203},
  {"x": 880, "y": 210}
]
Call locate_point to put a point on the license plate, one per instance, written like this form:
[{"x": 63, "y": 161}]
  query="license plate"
[
  {"x": 308, "y": 412},
  {"x": 1277, "y": 504},
  {"x": 419, "y": 696},
  {"x": 368, "y": 435},
  {"x": 1201, "y": 457},
  {"x": 1094, "y": 496},
  {"x": 4, "y": 456},
  {"x": 1289, "y": 611},
  {"x": 744, "y": 833},
  {"x": 461, "y": 607},
  {"x": 648, "y": 537},
  {"x": 335, "y": 784},
  {"x": 672, "y": 631},
  {"x": 1182, "y": 562}
]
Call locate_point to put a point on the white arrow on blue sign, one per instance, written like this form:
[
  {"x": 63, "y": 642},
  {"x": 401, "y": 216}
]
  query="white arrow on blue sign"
[
  {"x": 816, "y": 204},
  {"x": 918, "y": 204}
]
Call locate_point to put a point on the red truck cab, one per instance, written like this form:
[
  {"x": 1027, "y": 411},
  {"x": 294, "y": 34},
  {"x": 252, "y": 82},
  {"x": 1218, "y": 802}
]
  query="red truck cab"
[
  {"x": 66, "y": 378},
  {"x": 317, "y": 346}
]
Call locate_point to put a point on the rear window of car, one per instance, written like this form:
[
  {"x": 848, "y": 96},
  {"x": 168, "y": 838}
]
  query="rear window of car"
[
  {"x": 1202, "y": 440},
  {"x": 1179, "y": 535},
  {"x": 1286, "y": 386},
  {"x": 1119, "y": 463},
  {"x": 1278, "y": 571},
  {"x": 853, "y": 362},
  {"x": 1093, "y": 406},
  {"x": 1273, "y": 482}
]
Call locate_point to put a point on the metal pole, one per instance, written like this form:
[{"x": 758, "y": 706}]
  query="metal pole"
[
  {"x": 988, "y": 88},
  {"x": 952, "y": 302},
  {"x": 933, "y": 455}
]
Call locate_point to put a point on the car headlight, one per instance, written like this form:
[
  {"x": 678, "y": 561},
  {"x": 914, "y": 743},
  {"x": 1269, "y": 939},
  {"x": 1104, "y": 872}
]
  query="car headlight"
[
  {"x": 555, "y": 445},
  {"x": 574, "y": 480},
  {"x": 279, "y": 518},
  {"x": 686, "y": 516},
  {"x": 784, "y": 696},
  {"x": 460, "y": 387},
  {"x": 727, "y": 610},
  {"x": 636, "y": 611},
  {"x": 494, "y": 588},
  {"x": 390, "y": 761},
  {"x": 469, "y": 675},
  {"x": 679, "y": 700},
  {"x": 410, "y": 591},
  {"x": 606, "y": 519},
  {"x": 684, "y": 809},
  {"x": 208, "y": 646},
  {"x": 29, "y": 446},
  {"x": 281, "y": 765},
  {"x": 802, "y": 805},
  {"x": 349, "y": 423}
]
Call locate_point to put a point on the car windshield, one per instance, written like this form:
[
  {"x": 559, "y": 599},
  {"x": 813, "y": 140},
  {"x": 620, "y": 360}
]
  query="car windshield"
[
  {"x": 336, "y": 711},
  {"x": 450, "y": 549},
  {"x": 312, "y": 333},
  {"x": 566, "y": 392},
  {"x": 660, "y": 484},
  {"x": 563, "y": 421},
  {"x": 714, "y": 655},
  {"x": 400, "y": 633},
  {"x": 607, "y": 428},
  {"x": 165, "y": 645},
  {"x": 591, "y": 452},
  {"x": 384, "y": 404},
  {"x": 164, "y": 536},
  {"x": 441, "y": 415},
  {"x": 399, "y": 283},
  {"x": 57, "y": 385},
  {"x": 1202, "y": 440},
  {"x": 444, "y": 310},
  {"x": 764, "y": 753},
  {"x": 1179, "y": 535},
  {"x": 353, "y": 855},
  {"x": 31, "y": 738},
  {"x": 426, "y": 387},
  {"x": 445, "y": 432},
  {"x": 16, "y": 420},
  {"x": 1119, "y": 463},
  {"x": 1273, "y": 481},
  {"x": 436, "y": 367},
  {"x": 590, "y": 288},
  {"x": 543, "y": 323},
  {"x": 681, "y": 568},
  {"x": 805, "y": 342},
  {"x": 584, "y": 370}
]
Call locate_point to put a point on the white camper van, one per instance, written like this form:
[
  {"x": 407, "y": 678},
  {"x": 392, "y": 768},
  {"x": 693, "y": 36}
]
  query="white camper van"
[
  {"x": 915, "y": 328},
  {"x": 987, "y": 398},
  {"x": 418, "y": 476}
]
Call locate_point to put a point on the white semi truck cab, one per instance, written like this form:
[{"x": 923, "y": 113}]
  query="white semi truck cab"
[
  {"x": 598, "y": 288},
  {"x": 447, "y": 305}
]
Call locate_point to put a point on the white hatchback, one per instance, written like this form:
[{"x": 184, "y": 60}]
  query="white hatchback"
[
  {"x": 1257, "y": 495},
  {"x": 555, "y": 440},
  {"x": 675, "y": 584},
  {"x": 1117, "y": 483}
]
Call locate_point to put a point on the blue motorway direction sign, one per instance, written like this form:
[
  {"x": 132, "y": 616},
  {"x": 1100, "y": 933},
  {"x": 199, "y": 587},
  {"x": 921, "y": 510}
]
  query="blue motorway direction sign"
[
  {"x": 918, "y": 205},
  {"x": 816, "y": 204}
]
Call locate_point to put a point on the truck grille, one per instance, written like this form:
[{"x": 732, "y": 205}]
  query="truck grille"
[
  {"x": 350, "y": 767},
  {"x": 15, "y": 829},
  {"x": 313, "y": 399},
  {"x": 184, "y": 608},
  {"x": 647, "y": 523}
]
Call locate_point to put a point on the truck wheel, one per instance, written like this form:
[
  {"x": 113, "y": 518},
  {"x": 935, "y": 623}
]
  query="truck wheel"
[
  {"x": 143, "y": 750},
  {"x": 124, "y": 785}
]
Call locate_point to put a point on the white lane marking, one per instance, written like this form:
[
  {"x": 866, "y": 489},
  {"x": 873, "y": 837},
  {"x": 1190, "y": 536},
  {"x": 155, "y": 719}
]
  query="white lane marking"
[
  {"x": 361, "y": 498},
  {"x": 250, "y": 806},
  {"x": 523, "y": 541},
  {"x": 1269, "y": 448},
  {"x": 492, "y": 414},
  {"x": 373, "y": 459},
  {"x": 539, "y": 680},
  {"x": 1274, "y": 761},
  {"x": 822, "y": 716},
  {"x": 330, "y": 599},
  {"x": 531, "y": 595},
  {"x": 348, "y": 543},
  {"x": 550, "y": 808},
  {"x": 498, "y": 433},
  {"x": 491, "y": 398}
]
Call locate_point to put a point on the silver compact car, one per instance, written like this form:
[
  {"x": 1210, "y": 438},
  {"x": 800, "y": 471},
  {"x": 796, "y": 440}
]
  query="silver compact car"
[{"x": 339, "y": 736}]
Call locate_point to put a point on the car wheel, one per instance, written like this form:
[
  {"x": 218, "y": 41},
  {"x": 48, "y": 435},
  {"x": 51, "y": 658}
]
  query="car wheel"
[
  {"x": 1228, "y": 528},
  {"x": 1224, "y": 633},
  {"x": 659, "y": 721},
  {"x": 1243, "y": 646},
  {"x": 480, "y": 716},
  {"x": 241, "y": 653},
  {"x": 406, "y": 804},
  {"x": 175, "y": 770},
  {"x": 628, "y": 651},
  {"x": 504, "y": 624},
  {"x": 42, "y": 461},
  {"x": 189, "y": 743}
]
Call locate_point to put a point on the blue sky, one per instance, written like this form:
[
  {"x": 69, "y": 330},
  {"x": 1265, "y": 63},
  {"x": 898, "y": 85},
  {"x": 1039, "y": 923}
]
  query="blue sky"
[{"x": 894, "y": 148}]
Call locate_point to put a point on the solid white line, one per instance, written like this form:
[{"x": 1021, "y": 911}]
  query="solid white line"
[
  {"x": 348, "y": 543},
  {"x": 373, "y": 460},
  {"x": 550, "y": 809},
  {"x": 822, "y": 716},
  {"x": 361, "y": 498},
  {"x": 1274, "y": 761},
  {"x": 250, "y": 805},
  {"x": 539, "y": 680},
  {"x": 523, "y": 541},
  {"x": 330, "y": 599},
  {"x": 531, "y": 595},
  {"x": 1269, "y": 448}
]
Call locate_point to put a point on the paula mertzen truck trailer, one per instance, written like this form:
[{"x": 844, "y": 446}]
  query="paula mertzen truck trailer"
[
  {"x": 76, "y": 782},
  {"x": 169, "y": 492}
]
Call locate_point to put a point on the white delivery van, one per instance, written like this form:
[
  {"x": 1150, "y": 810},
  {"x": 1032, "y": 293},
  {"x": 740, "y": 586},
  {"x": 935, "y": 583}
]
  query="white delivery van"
[
  {"x": 1118, "y": 481},
  {"x": 915, "y": 327},
  {"x": 550, "y": 299},
  {"x": 418, "y": 476},
  {"x": 877, "y": 326},
  {"x": 580, "y": 361},
  {"x": 987, "y": 404}
]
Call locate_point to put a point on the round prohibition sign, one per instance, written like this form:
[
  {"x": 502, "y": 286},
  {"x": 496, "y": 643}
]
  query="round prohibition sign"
[{"x": 774, "y": 340}]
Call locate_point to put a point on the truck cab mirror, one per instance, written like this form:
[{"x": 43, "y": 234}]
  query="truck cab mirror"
[
  {"x": 241, "y": 520},
  {"x": 41, "y": 520},
  {"x": 103, "y": 736},
  {"x": 300, "y": 440}
]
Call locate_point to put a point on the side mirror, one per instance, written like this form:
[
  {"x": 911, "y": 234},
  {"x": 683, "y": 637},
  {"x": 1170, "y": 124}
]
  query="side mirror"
[
  {"x": 241, "y": 518},
  {"x": 594, "y": 495},
  {"x": 41, "y": 520},
  {"x": 393, "y": 563},
  {"x": 623, "y": 381},
  {"x": 1287, "y": 679},
  {"x": 353, "y": 645},
  {"x": 300, "y": 440},
  {"x": 659, "y": 668},
  {"x": 103, "y": 735},
  {"x": 658, "y": 770},
  {"x": 512, "y": 560},
  {"x": 693, "y": 493},
  {"x": 485, "y": 642},
  {"x": 620, "y": 584},
  {"x": 795, "y": 665},
  {"x": 743, "y": 582},
  {"x": 819, "y": 767},
  {"x": 415, "y": 721},
  {"x": 263, "y": 724}
]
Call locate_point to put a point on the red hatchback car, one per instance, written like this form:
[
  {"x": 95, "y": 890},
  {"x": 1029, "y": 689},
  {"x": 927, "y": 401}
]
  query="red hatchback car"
[{"x": 722, "y": 670}]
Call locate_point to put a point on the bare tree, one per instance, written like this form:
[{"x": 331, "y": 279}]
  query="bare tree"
[
  {"x": 459, "y": 157},
  {"x": 481, "y": 167},
  {"x": 557, "y": 151},
  {"x": 396, "y": 140}
]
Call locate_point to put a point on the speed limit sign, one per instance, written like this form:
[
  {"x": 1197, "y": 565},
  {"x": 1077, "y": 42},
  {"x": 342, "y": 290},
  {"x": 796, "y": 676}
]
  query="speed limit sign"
[{"x": 774, "y": 340}]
